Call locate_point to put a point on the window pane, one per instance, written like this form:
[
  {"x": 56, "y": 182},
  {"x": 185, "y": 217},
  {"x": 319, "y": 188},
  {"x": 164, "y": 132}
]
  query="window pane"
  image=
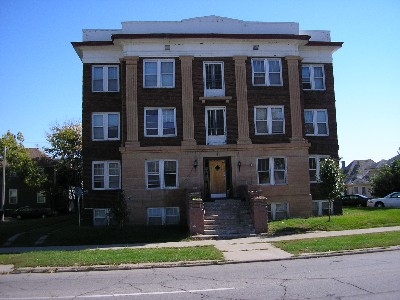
[
  {"x": 263, "y": 177},
  {"x": 321, "y": 116},
  {"x": 261, "y": 114},
  {"x": 306, "y": 80},
  {"x": 113, "y": 125},
  {"x": 263, "y": 164},
  {"x": 98, "y": 73},
  {"x": 112, "y": 79},
  {"x": 213, "y": 76},
  {"x": 258, "y": 66},
  {"x": 98, "y": 132},
  {"x": 312, "y": 163},
  {"x": 322, "y": 128},
  {"x": 98, "y": 120},
  {"x": 152, "y": 122},
  {"x": 274, "y": 66},
  {"x": 98, "y": 176},
  {"x": 113, "y": 169},
  {"x": 262, "y": 127},
  {"x": 277, "y": 126},
  {"x": 275, "y": 78},
  {"x": 150, "y": 70},
  {"x": 259, "y": 78},
  {"x": 167, "y": 80},
  {"x": 319, "y": 84},
  {"x": 279, "y": 177},
  {"x": 167, "y": 68},
  {"x": 318, "y": 73},
  {"x": 277, "y": 120},
  {"x": 279, "y": 164},
  {"x": 153, "y": 181},
  {"x": 170, "y": 173},
  {"x": 277, "y": 113},
  {"x": 98, "y": 79},
  {"x": 308, "y": 116}
]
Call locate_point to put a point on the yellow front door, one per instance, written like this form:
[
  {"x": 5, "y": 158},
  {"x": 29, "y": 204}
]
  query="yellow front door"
[{"x": 217, "y": 178}]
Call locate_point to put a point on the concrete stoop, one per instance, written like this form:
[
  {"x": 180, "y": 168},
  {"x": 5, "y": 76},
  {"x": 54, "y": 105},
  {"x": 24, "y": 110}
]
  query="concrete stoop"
[{"x": 226, "y": 219}]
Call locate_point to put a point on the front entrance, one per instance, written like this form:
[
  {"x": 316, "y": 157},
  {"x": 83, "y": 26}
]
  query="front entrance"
[{"x": 217, "y": 177}]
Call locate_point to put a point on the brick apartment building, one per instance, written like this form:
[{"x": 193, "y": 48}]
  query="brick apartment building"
[{"x": 210, "y": 104}]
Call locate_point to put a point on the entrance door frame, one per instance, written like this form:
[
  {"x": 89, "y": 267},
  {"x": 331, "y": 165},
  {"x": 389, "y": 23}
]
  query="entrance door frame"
[{"x": 228, "y": 177}]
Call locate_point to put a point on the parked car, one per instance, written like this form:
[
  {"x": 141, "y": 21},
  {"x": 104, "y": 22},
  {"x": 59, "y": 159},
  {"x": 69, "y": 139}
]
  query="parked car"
[
  {"x": 31, "y": 212},
  {"x": 391, "y": 200},
  {"x": 354, "y": 200}
]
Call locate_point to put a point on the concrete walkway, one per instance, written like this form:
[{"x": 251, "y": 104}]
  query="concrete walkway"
[{"x": 250, "y": 249}]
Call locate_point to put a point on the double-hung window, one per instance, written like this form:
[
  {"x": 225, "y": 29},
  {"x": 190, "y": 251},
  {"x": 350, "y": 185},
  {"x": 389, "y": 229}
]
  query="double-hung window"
[
  {"x": 313, "y": 77},
  {"x": 12, "y": 196},
  {"x": 160, "y": 122},
  {"x": 159, "y": 73},
  {"x": 316, "y": 122},
  {"x": 105, "y": 79},
  {"x": 40, "y": 197},
  {"x": 267, "y": 72},
  {"x": 272, "y": 170},
  {"x": 106, "y": 175},
  {"x": 161, "y": 174},
  {"x": 213, "y": 74},
  {"x": 314, "y": 163},
  {"x": 269, "y": 120},
  {"x": 105, "y": 126}
]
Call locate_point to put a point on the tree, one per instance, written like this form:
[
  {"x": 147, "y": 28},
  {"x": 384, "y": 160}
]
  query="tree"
[
  {"x": 120, "y": 210},
  {"x": 386, "y": 180},
  {"x": 19, "y": 162},
  {"x": 331, "y": 181},
  {"x": 66, "y": 148}
]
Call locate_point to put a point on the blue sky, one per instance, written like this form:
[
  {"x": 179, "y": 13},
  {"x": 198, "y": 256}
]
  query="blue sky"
[{"x": 41, "y": 75}]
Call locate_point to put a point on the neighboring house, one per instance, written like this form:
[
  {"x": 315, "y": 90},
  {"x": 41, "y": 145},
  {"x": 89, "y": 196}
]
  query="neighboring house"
[
  {"x": 358, "y": 175},
  {"x": 209, "y": 103},
  {"x": 18, "y": 194}
]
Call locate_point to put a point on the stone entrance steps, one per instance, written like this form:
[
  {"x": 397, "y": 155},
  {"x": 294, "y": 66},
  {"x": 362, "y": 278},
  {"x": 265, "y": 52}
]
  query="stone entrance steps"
[{"x": 227, "y": 218}]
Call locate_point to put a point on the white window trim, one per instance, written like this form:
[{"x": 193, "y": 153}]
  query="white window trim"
[
  {"x": 106, "y": 165},
  {"x": 159, "y": 81},
  {"x": 105, "y": 78},
  {"x": 315, "y": 123},
  {"x": 269, "y": 119},
  {"x": 105, "y": 126},
  {"x": 161, "y": 175},
  {"x": 318, "y": 159},
  {"x": 39, "y": 196},
  {"x": 312, "y": 77},
  {"x": 163, "y": 214},
  {"x": 271, "y": 171},
  {"x": 10, "y": 192},
  {"x": 214, "y": 92},
  {"x": 266, "y": 68},
  {"x": 160, "y": 122}
]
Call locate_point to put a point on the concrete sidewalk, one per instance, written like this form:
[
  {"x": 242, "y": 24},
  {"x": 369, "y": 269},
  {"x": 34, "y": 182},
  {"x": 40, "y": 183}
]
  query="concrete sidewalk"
[{"x": 250, "y": 249}]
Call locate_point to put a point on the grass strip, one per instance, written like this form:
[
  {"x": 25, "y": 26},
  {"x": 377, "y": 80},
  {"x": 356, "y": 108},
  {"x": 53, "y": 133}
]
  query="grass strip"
[
  {"x": 352, "y": 218},
  {"x": 110, "y": 257},
  {"x": 339, "y": 243}
]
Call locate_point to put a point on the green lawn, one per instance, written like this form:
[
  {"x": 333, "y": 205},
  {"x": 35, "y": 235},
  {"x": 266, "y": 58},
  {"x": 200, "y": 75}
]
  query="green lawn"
[
  {"x": 110, "y": 257},
  {"x": 352, "y": 218},
  {"x": 339, "y": 243}
]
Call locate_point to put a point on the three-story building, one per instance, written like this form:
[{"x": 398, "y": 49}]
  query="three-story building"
[{"x": 209, "y": 103}]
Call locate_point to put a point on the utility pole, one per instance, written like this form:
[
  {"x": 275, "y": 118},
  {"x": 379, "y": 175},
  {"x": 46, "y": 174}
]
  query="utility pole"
[{"x": 3, "y": 194}]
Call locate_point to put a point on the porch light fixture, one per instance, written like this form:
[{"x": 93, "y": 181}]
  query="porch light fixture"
[
  {"x": 239, "y": 165},
  {"x": 195, "y": 164}
]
